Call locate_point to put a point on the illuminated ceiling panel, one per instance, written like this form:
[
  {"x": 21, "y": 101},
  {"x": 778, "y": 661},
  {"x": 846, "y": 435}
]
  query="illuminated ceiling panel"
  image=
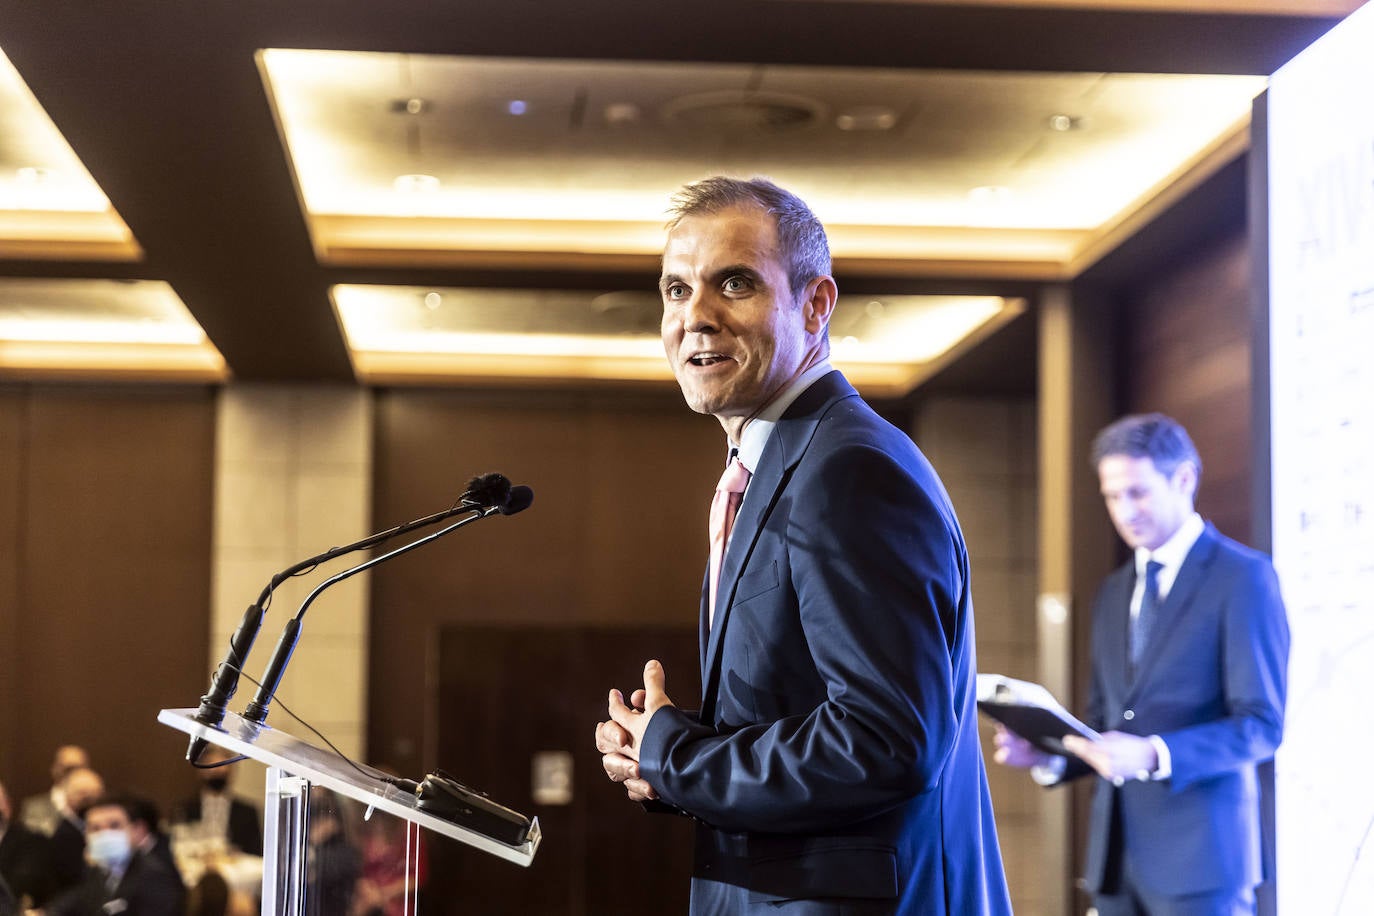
[
  {"x": 109, "y": 329},
  {"x": 50, "y": 207},
  {"x": 886, "y": 344},
  {"x": 436, "y": 160}
]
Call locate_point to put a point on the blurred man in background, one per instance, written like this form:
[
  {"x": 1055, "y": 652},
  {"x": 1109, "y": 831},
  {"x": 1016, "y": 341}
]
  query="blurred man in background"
[
  {"x": 42, "y": 813},
  {"x": 80, "y": 788},
  {"x": 26, "y": 866},
  {"x": 216, "y": 809},
  {"x": 1189, "y": 676}
]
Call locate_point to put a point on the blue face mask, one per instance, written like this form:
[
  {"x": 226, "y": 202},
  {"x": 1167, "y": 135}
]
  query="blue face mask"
[{"x": 109, "y": 849}]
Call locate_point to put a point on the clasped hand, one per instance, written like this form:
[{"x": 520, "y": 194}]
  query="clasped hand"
[
  {"x": 1116, "y": 756},
  {"x": 619, "y": 739}
]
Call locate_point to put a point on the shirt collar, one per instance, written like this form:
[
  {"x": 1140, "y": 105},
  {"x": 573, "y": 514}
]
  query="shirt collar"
[
  {"x": 1173, "y": 551},
  {"x": 757, "y": 430}
]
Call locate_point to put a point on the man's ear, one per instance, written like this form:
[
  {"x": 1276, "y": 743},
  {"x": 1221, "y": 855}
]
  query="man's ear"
[
  {"x": 818, "y": 304},
  {"x": 1185, "y": 479}
]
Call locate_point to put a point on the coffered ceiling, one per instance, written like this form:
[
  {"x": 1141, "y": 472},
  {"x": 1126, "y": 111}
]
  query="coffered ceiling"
[{"x": 437, "y": 193}]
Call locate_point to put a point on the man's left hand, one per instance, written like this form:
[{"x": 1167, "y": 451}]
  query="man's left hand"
[{"x": 1116, "y": 755}]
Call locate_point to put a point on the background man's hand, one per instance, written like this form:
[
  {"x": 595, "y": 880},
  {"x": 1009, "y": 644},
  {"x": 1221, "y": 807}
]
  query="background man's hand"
[
  {"x": 1116, "y": 755},
  {"x": 1014, "y": 751}
]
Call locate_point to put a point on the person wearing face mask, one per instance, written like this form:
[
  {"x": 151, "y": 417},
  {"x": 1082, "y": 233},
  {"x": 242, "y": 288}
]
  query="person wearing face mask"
[
  {"x": 217, "y": 810},
  {"x": 118, "y": 878}
]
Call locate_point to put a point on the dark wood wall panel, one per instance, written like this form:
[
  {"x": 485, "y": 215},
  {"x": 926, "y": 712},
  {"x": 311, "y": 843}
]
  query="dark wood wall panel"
[
  {"x": 480, "y": 669},
  {"x": 1186, "y": 352},
  {"x": 109, "y": 540},
  {"x": 616, "y": 534},
  {"x": 11, "y": 486}
]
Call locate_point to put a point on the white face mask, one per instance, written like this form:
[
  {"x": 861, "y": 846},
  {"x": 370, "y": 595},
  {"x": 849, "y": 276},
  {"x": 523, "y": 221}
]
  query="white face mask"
[{"x": 109, "y": 849}]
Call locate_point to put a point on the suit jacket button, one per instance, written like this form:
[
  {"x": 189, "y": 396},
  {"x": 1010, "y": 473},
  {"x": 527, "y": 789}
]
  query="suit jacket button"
[{"x": 1128, "y": 715}]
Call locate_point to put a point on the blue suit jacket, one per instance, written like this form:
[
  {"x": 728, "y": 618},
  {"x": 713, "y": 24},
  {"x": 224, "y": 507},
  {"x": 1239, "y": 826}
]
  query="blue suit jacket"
[
  {"x": 1212, "y": 685},
  {"x": 836, "y": 753}
]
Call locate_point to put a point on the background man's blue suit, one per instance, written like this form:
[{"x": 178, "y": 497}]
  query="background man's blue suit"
[
  {"x": 836, "y": 755},
  {"x": 1211, "y": 684}
]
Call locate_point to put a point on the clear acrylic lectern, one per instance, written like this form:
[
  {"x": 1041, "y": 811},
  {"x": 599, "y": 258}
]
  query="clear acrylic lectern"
[{"x": 294, "y": 768}]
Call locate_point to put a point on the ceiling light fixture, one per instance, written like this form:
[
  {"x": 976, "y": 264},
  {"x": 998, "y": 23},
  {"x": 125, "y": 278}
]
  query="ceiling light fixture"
[
  {"x": 517, "y": 107},
  {"x": 1064, "y": 122},
  {"x": 32, "y": 175},
  {"x": 621, "y": 113},
  {"x": 416, "y": 184},
  {"x": 989, "y": 193},
  {"x": 866, "y": 117},
  {"x": 411, "y": 105},
  {"x": 735, "y": 110}
]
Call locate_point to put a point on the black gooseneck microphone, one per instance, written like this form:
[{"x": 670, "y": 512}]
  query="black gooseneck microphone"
[
  {"x": 516, "y": 499},
  {"x": 486, "y": 490}
]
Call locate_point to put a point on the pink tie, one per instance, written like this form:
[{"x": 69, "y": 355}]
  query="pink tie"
[{"x": 724, "y": 505}]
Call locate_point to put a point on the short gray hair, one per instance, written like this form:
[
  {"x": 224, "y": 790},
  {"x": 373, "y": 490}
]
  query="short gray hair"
[{"x": 803, "y": 245}]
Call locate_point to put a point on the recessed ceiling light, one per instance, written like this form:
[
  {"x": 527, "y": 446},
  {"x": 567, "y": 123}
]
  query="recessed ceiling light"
[
  {"x": 621, "y": 113},
  {"x": 32, "y": 175},
  {"x": 433, "y": 301},
  {"x": 416, "y": 184},
  {"x": 1065, "y": 122},
  {"x": 517, "y": 107},
  {"x": 866, "y": 117},
  {"x": 989, "y": 193},
  {"x": 412, "y": 105}
]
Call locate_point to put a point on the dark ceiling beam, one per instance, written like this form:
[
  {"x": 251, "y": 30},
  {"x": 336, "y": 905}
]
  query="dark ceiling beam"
[
  {"x": 814, "y": 32},
  {"x": 167, "y": 111}
]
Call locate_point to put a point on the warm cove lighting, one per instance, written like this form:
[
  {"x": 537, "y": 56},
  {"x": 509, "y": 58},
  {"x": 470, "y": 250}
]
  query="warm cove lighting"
[
  {"x": 347, "y": 141},
  {"x": 38, "y": 170},
  {"x": 399, "y": 335},
  {"x": 49, "y": 205},
  {"x": 95, "y": 328}
]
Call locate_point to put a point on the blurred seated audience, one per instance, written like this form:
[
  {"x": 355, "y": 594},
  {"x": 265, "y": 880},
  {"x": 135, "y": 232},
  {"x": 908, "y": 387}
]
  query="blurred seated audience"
[
  {"x": 212, "y": 896},
  {"x": 8, "y": 905},
  {"x": 118, "y": 878},
  {"x": 332, "y": 865},
  {"x": 387, "y": 866},
  {"x": 42, "y": 813},
  {"x": 145, "y": 826},
  {"x": 80, "y": 788},
  {"x": 26, "y": 867},
  {"x": 217, "y": 811}
]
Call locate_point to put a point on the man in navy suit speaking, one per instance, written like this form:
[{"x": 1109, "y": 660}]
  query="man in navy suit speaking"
[
  {"x": 834, "y": 766},
  {"x": 1189, "y": 670}
]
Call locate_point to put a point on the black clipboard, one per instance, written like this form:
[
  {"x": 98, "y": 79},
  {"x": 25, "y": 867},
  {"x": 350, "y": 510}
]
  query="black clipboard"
[{"x": 1031, "y": 711}]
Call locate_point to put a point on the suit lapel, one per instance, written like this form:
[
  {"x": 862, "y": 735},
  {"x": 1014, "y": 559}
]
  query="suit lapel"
[
  {"x": 784, "y": 450},
  {"x": 1118, "y": 621},
  {"x": 1191, "y": 576}
]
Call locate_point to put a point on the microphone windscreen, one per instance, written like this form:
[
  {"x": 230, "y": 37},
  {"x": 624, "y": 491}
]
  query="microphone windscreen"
[
  {"x": 487, "y": 490},
  {"x": 518, "y": 501}
]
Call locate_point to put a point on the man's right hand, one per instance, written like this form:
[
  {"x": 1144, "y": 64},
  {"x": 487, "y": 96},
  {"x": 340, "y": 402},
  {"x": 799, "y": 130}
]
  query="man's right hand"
[
  {"x": 1015, "y": 751},
  {"x": 620, "y": 756}
]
